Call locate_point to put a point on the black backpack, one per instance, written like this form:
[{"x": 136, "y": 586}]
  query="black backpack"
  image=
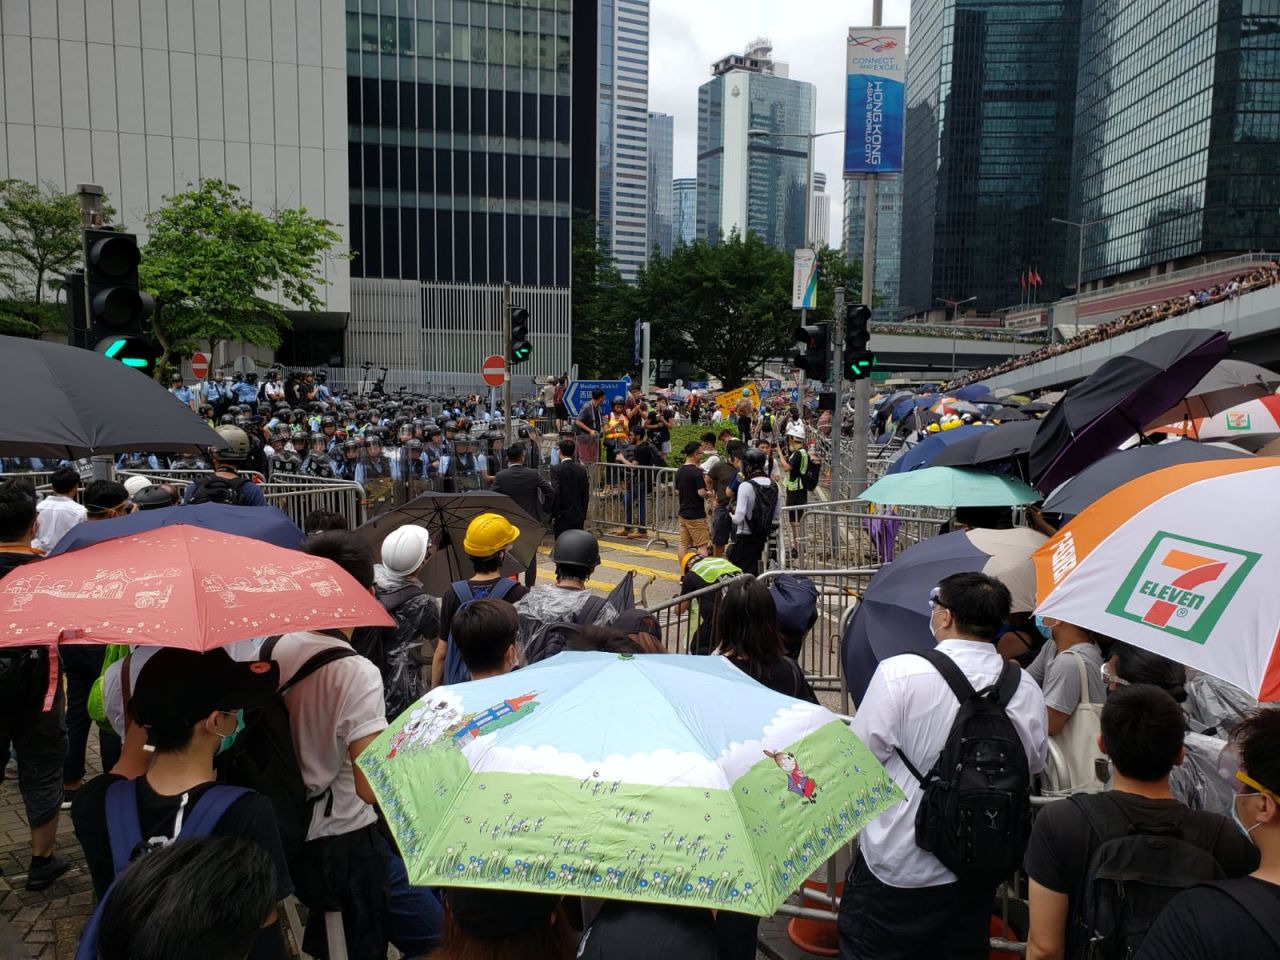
[
  {"x": 975, "y": 814},
  {"x": 547, "y": 639},
  {"x": 263, "y": 757},
  {"x": 215, "y": 489},
  {"x": 762, "y": 510},
  {"x": 1135, "y": 871},
  {"x": 812, "y": 475}
]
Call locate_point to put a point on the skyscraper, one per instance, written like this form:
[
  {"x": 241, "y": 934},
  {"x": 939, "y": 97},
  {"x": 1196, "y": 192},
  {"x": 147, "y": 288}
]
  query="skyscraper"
[
  {"x": 661, "y": 199},
  {"x": 464, "y": 119},
  {"x": 888, "y": 264},
  {"x": 684, "y": 192},
  {"x": 989, "y": 115},
  {"x": 753, "y": 128},
  {"x": 820, "y": 215},
  {"x": 622, "y": 210},
  {"x": 1177, "y": 133}
]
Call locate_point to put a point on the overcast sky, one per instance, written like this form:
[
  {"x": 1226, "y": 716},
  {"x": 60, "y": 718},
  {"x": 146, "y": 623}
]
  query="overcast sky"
[{"x": 687, "y": 36}]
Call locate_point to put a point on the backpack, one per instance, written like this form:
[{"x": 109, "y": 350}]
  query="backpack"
[
  {"x": 547, "y": 639},
  {"x": 1255, "y": 901},
  {"x": 24, "y": 678},
  {"x": 766, "y": 422},
  {"x": 215, "y": 489},
  {"x": 455, "y": 668},
  {"x": 797, "y": 601},
  {"x": 263, "y": 757},
  {"x": 1134, "y": 873},
  {"x": 124, "y": 830},
  {"x": 811, "y": 475},
  {"x": 762, "y": 511},
  {"x": 975, "y": 812},
  {"x": 402, "y": 680}
]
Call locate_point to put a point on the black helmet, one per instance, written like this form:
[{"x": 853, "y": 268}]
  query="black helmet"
[
  {"x": 350, "y": 445},
  {"x": 299, "y": 413},
  {"x": 754, "y": 461},
  {"x": 227, "y": 420},
  {"x": 523, "y": 433},
  {"x": 566, "y": 431},
  {"x": 322, "y": 375},
  {"x": 413, "y": 445},
  {"x": 251, "y": 377},
  {"x": 431, "y": 433},
  {"x": 450, "y": 425},
  {"x": 205, "y": 410},
  {"x": 328, "y": 422},
  {"x": 577, "y": 548}
]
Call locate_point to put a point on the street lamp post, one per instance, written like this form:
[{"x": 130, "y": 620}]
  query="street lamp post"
[
  {"x": 1081, "y": 227},
  {"x": 955, "y": 306}
]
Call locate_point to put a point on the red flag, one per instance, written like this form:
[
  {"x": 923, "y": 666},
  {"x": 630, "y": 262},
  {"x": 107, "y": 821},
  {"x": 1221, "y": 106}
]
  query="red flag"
[{"x": 1039, "y": 282}]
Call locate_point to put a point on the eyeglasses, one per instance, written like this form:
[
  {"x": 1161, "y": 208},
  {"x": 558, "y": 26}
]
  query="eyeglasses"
[
  {"x": 1109, "y": 676},
  {"x": 935, "y": 598},
  {"x": 1248, "y": 781}
]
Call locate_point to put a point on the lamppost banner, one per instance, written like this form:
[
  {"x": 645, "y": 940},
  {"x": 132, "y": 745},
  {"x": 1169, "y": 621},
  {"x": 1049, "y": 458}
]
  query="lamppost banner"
[
  {"x": 875, "y": 100},
  {"x": 804, "y": 280}
]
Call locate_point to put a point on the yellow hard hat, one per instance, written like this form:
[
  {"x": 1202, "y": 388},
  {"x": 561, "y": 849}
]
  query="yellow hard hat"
[
  {"x": 934, "y": 428},
  {"x": 487, "y": 534},
  {"x": 689, "y": 559}
]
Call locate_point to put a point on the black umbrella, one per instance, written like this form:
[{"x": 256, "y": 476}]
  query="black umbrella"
[
  {"x": 1009, "y": 415},
  {"x": 1229, "y": 384},
  {"x": 1118, "y": 399},
  {"x": 446, "y": 516},
  {"x": 65, "y": 402},
  {"x": 1119, "y": 468},
  {"x": 993, "y": 445},
  {"x": 1036, "y": 406}
]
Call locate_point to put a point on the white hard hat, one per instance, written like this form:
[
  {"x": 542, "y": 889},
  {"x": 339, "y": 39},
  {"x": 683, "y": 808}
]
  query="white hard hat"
[
  {"x": 134, "y": 484},
  {"x": 795, "y": 429},
  {"x": 404, "y": 549}
]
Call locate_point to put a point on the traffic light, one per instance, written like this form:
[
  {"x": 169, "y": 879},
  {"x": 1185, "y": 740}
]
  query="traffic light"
[
  {"x": 816, "y": 338},
  {"x": 77, "y": 324},
  {"x": 116, "y": 306},
  {"x": 521, "y": 348},
  {"x": 857, "y": 359}
]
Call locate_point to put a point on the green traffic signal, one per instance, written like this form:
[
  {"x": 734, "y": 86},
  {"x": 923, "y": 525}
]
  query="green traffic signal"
[
  {"x": 860, "y": 365},
  {"x": 137, "y": 353},
  {"x": 521, "y": 348}
]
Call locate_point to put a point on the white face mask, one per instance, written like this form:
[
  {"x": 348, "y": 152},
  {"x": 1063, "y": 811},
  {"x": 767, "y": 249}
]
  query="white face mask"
[{"x": 1235, "y": 816}]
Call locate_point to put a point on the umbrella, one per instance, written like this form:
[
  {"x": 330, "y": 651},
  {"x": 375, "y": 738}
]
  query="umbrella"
[
  {"x": 446, "y": 516},
  {"x": 993, "y": 445},
  {"x": 1002, "y": 393},
  {"x": 80, "y": 404},
  {"x": 269, "y": 524},
  {"x": 949, "y": 487},
  {"x": 903, "y": 408},
  {"x": 973, "y": 392},
  {"x": 1036, "y": 406},
  {"x": 1052, "y": 397},
  {"x": 1229, "y": 384},
  {"x": 1008, "y": 415},
  {"x": 922, "y": 454},
  {"x": 1118, "y": 399},
  {"x": 1251, "y": 425},
  {"x": 659, "y": 778},
  {"x": 1182, "y": 562},
  {"x": 892, "y": 616},
  {"x": 1095, "y": 481},
  {"x": 179, "y": 586}
]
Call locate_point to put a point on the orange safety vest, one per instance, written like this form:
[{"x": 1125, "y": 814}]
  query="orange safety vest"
[{"x": 616, "y": 427}]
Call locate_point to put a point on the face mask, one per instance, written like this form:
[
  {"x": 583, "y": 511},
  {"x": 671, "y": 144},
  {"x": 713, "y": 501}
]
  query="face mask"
[
  {"x": 1235, "y": 816},
  {"x": 1044, "y": 630},
  {"x": 230, "y": 738}
]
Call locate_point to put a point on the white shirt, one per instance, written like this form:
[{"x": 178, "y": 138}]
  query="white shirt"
[
  {"x": 58, "y": 514},
  {"x": 745, "y": 503},
  {"x": 908, "y": 705},
  {"x": 328, "y": 711}
]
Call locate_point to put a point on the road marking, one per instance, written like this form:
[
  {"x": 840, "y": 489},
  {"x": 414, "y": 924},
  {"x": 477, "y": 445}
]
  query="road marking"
[
  {"x": 627, "y": 567},
  {"x": 667, "y": 554}
]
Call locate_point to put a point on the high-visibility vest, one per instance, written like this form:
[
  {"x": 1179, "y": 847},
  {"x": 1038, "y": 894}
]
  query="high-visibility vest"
[
  {"x": 617, "y": 427},
  {"x": 798, "y": 483},
  {"x": 710, "y": 570}
]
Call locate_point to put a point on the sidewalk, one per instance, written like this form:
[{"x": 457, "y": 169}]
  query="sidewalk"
[{"x": 44, "y": 925}]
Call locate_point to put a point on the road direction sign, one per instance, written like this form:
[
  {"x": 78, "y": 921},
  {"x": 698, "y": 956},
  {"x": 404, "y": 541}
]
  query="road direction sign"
[
  {"x": 578, "y": 394},
  {"x": 199, "y": 366},
  {"x": 494, "y": 370}
]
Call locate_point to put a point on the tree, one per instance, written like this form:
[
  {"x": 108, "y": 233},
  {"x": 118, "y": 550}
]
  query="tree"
[
  {"x": 604, "y": 307},
  {"x": 40, "y": 240},
  {"x": 835, "y": 271},
  {"x": 221, "y": 270},
  {"x": 725, "y": 308}
]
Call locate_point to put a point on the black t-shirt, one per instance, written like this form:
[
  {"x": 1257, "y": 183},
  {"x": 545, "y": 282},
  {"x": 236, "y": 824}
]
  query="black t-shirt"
[
  {"x": 1204, "y": 923},
  {"x": 1063, "y": 842},
  {"x": 689, "y": 486},
  {"x": 449, "y": 603},
  {"x": 622, "y": 931},
  {"x": 783, "y": 676},
  {"x": 250, "y": 818},
  {"x": 722, "y": 474}
]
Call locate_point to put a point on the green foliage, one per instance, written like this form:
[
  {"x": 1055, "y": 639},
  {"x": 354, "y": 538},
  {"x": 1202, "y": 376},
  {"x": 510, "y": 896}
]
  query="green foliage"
[
  {"x": 215, "y": 266},
  {"x": 682, "y": 433},
  {"x": 835, "y": 271},
  {"x": 604, "y": 307},
  {"x": 725, "y": 308},
  {"x": 27, "y": 318}
]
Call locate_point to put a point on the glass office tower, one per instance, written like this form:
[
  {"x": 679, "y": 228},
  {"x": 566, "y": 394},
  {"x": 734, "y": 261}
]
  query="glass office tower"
[{"x": 661, "y": 198}]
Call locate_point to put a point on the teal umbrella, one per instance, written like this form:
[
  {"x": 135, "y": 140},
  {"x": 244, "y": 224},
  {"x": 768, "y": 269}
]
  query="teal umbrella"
[{"x": 949, "y": 487}]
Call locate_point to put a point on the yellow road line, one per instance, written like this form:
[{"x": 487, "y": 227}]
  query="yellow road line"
[
  {"x": 667, "y": 554},
  {"x": 625, "y": 567}
]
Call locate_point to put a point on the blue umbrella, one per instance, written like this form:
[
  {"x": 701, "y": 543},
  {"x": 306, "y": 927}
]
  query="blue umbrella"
[
  {"x": 269, "y": 524},
  {"x": 973, "y": 392},
  {"x": 893, "y": 615},
  {"x": 922, "y": 454},
  {"x": 905, "y": 407}
]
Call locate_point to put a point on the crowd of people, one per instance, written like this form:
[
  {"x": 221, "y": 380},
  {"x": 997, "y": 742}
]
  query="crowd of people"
[
  {"x": 1193, "y": 299},
  {"x": 957, "y": 332}
]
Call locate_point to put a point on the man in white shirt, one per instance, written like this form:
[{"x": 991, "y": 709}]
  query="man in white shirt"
[
  {"x": 900, "y": 902},
  {"x": 59, "y": 512}
]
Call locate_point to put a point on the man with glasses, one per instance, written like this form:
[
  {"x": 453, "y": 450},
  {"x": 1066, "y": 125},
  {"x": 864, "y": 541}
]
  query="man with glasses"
[
  {"x": 1241, "y": 917},
  {"x": 1075, "y": 839},
  {"x": 900, "y": 901}
]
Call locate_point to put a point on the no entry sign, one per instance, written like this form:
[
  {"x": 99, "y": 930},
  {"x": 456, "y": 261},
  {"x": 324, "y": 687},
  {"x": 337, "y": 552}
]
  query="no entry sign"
[
  {"x": 494, "y": 370},
  {"x": 199, "y": 365}
]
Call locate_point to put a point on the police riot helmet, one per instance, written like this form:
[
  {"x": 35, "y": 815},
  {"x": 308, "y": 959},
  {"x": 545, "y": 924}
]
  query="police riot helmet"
[
  {"x": 414, "y": 446},
  {"x": 523, "y": 433},
  {"x": 322, "y": 375},
  {"x": 227, "y": 420},
  {"x": 450, "y": 425},
  {"x": 350, "y": 446}
]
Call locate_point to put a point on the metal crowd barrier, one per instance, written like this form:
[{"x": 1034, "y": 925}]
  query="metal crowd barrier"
[
  {"x": 849, "y": 533},
  {"x": 636, "y": 498}
]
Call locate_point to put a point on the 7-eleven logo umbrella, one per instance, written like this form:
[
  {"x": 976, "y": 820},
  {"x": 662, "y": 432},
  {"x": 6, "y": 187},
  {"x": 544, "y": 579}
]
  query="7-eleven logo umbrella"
[
  {"x": 1250, "y": 425},
  {"x": 1182, "y": 562}
]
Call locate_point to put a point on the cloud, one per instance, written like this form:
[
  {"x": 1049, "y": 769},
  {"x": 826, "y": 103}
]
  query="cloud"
[
  {"x": 658, "y": 768},
  {"x": 686, "y": 38}
]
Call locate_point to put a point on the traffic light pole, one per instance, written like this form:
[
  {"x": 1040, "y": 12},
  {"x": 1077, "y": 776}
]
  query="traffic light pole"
[
  {"x": 103, "y": 468},
  {"x": 837, "y": 375},
  {"x": 506, "y": 352}
]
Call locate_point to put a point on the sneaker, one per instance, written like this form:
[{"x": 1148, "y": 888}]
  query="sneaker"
[{"x": 40, "y": 875}]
